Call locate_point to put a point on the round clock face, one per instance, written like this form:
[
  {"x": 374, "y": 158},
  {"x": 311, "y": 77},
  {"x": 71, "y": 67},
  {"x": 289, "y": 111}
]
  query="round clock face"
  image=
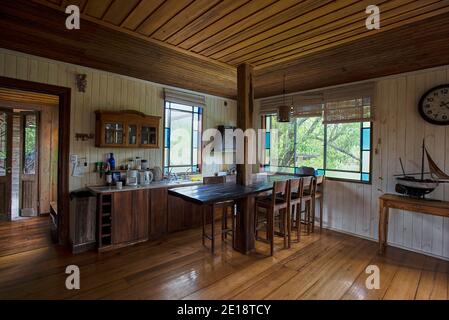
[{"x": 434, "y": 105}]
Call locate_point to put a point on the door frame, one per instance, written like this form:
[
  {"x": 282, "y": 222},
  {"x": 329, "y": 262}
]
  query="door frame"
[
  {"x": 64, "y": 95},
  {"x": 8, "y": 164}
]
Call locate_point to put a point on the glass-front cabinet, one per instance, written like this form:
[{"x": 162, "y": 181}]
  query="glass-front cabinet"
[{"x": 126, "y": 129}]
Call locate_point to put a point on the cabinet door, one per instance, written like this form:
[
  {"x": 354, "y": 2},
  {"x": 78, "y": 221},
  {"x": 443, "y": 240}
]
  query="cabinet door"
[
  {"x": 158, "y": 213},
  {"x": 140, "y": 213},
  {"x": 175, "y": 214},
  {"x": 113, "y": 133},
  {"x": 148, "y": 135},
  {"x": 132, "y": 138},
  {"x": 122, "y": 217}
]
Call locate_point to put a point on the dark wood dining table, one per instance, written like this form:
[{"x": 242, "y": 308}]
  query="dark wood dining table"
[{"x": 243, "y": 196}]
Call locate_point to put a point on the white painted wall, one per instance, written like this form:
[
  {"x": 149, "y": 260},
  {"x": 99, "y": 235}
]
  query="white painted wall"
[{"x": 106, "y": 91}]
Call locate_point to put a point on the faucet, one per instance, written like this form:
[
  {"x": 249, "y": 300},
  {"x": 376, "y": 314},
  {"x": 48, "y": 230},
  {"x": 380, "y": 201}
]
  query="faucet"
[
  {"x": 186, "y": 173},
  {"x": 172, "y": 176}
]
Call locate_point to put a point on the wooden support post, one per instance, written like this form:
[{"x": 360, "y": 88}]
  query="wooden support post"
[{"x": 245, "y": 106}]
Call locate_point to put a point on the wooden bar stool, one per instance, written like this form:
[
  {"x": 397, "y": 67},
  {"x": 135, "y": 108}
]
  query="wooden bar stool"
[
  {"x": 309, "y": 185},
  {"x": 319, "y": 195},
  {"x": 276, "y": 203},
  {"x": 295, "y": 204},
  {"x": 227, "y": 207}
]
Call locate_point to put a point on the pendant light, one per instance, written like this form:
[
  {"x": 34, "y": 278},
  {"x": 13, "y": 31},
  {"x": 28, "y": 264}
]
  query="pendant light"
[{"x": 284, "y": 110}]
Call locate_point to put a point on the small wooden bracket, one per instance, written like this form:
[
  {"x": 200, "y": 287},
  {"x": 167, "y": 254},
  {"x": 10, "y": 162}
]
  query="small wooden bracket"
[{"x": 84, "y": 136}]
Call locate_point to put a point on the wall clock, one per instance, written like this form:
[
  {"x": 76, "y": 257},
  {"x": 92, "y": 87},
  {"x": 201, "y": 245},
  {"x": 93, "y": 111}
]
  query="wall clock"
[{"x": 434, "y": 105}]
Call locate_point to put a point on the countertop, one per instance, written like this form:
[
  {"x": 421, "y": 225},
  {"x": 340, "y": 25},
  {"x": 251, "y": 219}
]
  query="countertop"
[{"x": 153, "y": 185}]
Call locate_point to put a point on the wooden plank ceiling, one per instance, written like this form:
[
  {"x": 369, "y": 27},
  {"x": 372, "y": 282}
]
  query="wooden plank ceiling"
[
  {"x": 261, "y": 32},
  {"x": 276, "y": 36}
]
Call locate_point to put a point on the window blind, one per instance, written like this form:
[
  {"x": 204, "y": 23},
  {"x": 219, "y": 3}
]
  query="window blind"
[
  {"x": 351, "y": 103},
  {"x": 185, "y": 98}
]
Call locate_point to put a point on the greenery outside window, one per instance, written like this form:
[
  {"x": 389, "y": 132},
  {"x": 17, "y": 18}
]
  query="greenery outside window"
[
  {"x": 182, "y": 138},
  {"x": 341, "y": 151}
]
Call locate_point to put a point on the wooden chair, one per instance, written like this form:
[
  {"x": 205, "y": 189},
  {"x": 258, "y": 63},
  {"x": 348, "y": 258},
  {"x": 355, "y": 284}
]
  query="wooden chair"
[
  {"x": 319, "y": 195},
  {"x": 295, "y": 204},
  {"x": 306, "y": 171},
  {"x": 309, "y": 185},
  {"x": 226, "y": 208},
  {"x": 276, "y": 203}
]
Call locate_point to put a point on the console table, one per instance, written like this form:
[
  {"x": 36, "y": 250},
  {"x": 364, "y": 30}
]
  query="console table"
[{"x": 387, "y": 201}]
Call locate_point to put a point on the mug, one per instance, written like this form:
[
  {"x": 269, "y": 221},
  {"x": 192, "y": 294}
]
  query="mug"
[{"x": 119, "y": 185}]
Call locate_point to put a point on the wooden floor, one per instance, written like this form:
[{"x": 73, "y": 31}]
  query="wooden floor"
[
  {"x": 24, "y": 235},
  {"x": 326, "y": 266}
]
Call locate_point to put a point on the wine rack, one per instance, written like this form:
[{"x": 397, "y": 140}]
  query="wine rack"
[{"x": 104, "y": 220}]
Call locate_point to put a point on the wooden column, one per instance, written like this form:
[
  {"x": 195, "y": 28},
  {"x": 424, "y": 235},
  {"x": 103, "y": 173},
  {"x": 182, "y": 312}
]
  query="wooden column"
[{"x": 245, "y": 106}]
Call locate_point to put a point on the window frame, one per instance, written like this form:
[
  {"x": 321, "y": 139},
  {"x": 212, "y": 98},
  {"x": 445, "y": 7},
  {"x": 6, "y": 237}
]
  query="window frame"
[
  {"x": 200, "y": 113},
  {"x": 323, "y": 170}
]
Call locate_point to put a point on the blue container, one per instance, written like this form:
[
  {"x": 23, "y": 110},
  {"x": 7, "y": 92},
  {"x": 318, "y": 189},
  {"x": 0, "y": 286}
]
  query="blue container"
[{"x": 111, "y": 162}]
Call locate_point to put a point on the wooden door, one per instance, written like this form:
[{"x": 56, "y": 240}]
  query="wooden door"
[
  {"x": 5, "y": 163},
  {"x": 122, "y": 217},
  {"x": 29, "y": 175}
]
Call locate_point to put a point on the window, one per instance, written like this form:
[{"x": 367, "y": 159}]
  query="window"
[
  {"x": 29, "y": 148},
  {"x": 182, "y": 143},
  {"x": 340, "y": 150}
]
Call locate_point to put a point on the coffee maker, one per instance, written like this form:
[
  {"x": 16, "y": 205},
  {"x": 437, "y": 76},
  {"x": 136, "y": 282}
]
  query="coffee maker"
[{"x": 132, "y": 177}]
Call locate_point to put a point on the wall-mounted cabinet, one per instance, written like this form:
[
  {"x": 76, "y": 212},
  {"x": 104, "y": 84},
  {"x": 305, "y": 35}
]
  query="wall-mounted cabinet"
[{"x": 126, "y": 129}]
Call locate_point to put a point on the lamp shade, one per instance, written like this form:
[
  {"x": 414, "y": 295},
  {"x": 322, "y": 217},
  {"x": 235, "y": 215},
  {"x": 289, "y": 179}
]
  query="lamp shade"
[{"x": 284, "y": 113}]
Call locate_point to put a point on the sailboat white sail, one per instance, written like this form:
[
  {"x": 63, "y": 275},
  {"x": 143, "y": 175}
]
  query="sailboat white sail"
[{"x": 435, "y": 171}]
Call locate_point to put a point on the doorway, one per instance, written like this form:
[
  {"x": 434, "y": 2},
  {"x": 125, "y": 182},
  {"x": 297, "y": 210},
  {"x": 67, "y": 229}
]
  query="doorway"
[
  {"x": 29, "y": 127},
  {"x": 63, "y": 164}
]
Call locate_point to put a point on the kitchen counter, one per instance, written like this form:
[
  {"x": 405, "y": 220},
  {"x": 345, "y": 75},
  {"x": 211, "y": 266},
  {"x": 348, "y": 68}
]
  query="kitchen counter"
[{"x": 153, "y": 185}]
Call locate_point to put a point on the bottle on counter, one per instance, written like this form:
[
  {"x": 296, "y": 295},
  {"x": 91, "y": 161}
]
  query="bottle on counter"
[
  {"x": 111, "y": 162},
  {"x": 138, "y": 164},
  {"x": 144, "y": 164}
]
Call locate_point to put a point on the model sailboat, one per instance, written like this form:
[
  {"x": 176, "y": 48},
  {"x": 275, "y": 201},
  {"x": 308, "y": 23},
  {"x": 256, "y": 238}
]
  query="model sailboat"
[{"x": 407, "y": 184}]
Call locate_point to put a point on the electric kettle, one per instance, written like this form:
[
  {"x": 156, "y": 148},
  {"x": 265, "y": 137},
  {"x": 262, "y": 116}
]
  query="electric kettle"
[{"x": 146, "y": 177}]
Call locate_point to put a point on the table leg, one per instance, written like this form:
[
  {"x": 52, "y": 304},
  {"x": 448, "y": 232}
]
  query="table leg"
[
  {"x": 383, "y": 226},
  {"x": 212, "y": 209},
  {"x": 244, "y": 237},
  {"x": 321, "y": 212},
  {"x": 386, "y": 218},
  {"x": 203, "y": 213},
  {"x": 289, "y": 225}
]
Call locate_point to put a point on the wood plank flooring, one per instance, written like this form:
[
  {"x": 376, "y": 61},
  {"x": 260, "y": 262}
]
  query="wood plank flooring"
[
  {"x": 322, "y": 266},
  {"x": 24, "y": 235}
]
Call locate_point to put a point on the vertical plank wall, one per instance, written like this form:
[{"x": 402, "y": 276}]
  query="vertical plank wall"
[
  {"x": 398, "y": 132},
  {"x": 105, "y": 91}
]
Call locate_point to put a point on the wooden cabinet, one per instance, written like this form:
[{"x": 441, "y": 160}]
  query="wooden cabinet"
[
  {"x": 126, "y": 129},
  {"x": 130, "y": 216},
  {"x": 122, "y": 217},
  {"x": 158, "y": 213},
  {"x": 182, "y": 214}
]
